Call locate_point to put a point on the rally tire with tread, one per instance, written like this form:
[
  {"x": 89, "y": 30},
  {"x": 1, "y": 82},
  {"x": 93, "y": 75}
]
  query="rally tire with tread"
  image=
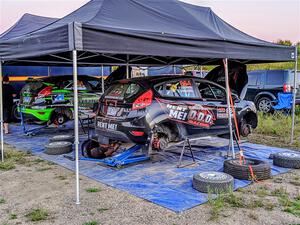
[
  {"x": 58, "y": 148},
  {"x": 63, "y": 137},
  {"x": 287, "y": 160},
  {"x": 261, "y": 169},
  {"x": 215, "y": 182}
]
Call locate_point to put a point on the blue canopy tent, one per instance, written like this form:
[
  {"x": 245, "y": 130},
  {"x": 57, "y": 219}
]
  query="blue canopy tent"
[{"x": 139, "y": 32}]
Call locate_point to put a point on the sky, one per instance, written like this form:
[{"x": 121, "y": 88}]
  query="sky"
[{"x": 265, "y": 19}]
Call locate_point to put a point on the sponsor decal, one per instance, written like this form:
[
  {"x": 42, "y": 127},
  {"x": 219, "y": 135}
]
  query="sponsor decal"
[
  {"x": 105, "y": 125},
  {"x": 222, "y": 112},
  {"x": 192, "y": 114}
]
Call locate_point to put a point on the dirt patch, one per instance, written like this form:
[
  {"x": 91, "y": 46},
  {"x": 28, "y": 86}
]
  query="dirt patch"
[{"x": 38, "y": 192}]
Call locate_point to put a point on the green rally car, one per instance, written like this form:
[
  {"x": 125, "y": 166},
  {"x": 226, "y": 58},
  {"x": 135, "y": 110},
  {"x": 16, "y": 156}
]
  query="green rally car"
[{"x": 50, "y": 99}]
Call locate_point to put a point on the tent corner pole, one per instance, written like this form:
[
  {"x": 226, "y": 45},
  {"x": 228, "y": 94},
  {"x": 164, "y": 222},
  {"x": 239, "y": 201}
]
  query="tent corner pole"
[
  {"x": 76, "y": 120},
  {"x": 127, "y": 67},
  {"x": 294, "y": 94},
  {"x": 231, "y": 145},
  {"x": 102, "y": 79},
  {"x": 1, "y": 113}
]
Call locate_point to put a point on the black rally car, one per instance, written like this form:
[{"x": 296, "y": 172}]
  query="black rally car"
[{"x": 170, "y": 106}]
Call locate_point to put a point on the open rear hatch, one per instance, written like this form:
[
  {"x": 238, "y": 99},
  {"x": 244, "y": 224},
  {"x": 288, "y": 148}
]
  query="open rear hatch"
[
  {"x": 238, "y": 78},
  {"x": 118, "y": 100}
]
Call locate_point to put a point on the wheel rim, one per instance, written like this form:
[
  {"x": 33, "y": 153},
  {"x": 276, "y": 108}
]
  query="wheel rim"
[
  {"x": 289, "y": 154},
  {"x": 213, "y": 175},
  {"x": 59, "y": 143},
  {"x": 264, "y": 105},
  {"x": 60, "y": 119}
]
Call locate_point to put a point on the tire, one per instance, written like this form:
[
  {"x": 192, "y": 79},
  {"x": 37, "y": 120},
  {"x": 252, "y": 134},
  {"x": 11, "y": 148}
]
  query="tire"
[
  {"x": 87, "y": 146},
  {"x": 60, "y": 118},
  {"x": 261, "y": 169},
  {"x": 15, "y": 115},
  {"x": 287, "y": 160},
  {"x": 264, "y": 104},
  {"x": 215, "y": 182},
  {"x": 245, "y": 129},
  {"x": 58, "y": 148},
  {"x": 63, "y": 137}
]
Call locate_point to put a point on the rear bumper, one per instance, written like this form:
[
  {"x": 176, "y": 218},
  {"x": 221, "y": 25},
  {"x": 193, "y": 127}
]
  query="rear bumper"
[
  {"x": 108, "y": 129},
  {"x": 37, "y": 114}
]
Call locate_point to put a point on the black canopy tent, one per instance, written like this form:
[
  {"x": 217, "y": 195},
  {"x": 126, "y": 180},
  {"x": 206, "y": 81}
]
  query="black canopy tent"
[
  {"x": 25, "y": 25},
  {"x": 138, "y": 32}
]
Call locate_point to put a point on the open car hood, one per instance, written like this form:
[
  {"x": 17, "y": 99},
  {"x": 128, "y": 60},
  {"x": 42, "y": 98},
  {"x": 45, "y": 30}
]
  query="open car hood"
[{"x": 238, "y": 78}]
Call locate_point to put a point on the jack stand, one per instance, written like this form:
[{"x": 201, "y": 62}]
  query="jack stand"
[
  {"x": 186, "y": 141},
  {"x": 236, "y": 141},
  {"x": 121, "y": 159}
]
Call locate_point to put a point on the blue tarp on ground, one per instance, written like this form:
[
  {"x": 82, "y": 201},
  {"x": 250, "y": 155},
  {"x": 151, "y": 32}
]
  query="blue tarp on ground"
[{"x": 159, "y": 181}]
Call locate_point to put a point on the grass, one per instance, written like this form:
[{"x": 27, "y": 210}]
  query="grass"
[
  {"x": 223, "y": 200},
  {"x": 92, "y": 222},
  {"x": 7, "y": 165},
  {"x": 37, "y": 215},
  {"x": 294, "y": 207},
  {"x": 93, "y": 190},
  {"x": 262, "y": 191},
  {"x": 11, "y": 158},
  {"x": 276, "y": 131},
  {"x": 2, "y": 200},
  {"x": 43, "y": 169},
  {"x": 102, "y": 209},
  {"x": 12, "y": 216},
  {"x": 216, "y": 205},
  {"x": 61, "y": 177}
]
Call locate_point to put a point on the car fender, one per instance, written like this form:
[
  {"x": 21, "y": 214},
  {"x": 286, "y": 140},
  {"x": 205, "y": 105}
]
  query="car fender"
[{"x": 265, "y": 93}]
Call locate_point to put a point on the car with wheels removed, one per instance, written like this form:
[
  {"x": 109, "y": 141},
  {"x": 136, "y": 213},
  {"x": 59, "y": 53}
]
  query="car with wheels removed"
[{"x": 170, "y": 108}]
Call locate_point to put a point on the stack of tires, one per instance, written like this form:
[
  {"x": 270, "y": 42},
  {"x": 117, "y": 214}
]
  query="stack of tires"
[{"x": 60, "y": 144}]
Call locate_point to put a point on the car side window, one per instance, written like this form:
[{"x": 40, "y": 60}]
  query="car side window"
[
  {"x": 210, "y": 92},
  {"x": 178, "y": 89},
  {"x": 80, "y": 85},
  {"x": 275, "y": 77},
  {"x": 252, "y": 79}
]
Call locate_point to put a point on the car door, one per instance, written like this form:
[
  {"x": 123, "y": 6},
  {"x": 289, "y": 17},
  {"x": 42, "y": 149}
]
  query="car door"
[
  {"x": 179, "y": 101},
  {"x": 213, "y": 99}
]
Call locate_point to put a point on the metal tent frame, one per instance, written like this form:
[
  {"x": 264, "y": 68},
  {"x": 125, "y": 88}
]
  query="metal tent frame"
[
  {"x": 83, "y": 38},
  {"x": 76, "y": 118}
]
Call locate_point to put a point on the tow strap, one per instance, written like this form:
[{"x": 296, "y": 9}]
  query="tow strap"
[{"x": 241, "y": 154}]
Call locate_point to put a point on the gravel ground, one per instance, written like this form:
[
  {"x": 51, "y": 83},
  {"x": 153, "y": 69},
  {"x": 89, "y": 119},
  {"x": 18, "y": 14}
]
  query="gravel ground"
[{"x": 36, "y": 184}]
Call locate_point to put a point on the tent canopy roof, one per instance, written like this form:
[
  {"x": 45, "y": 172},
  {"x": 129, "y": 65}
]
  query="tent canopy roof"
[
  {"x": 25, "y": 25},
  {"x": 140, "y": 32}
]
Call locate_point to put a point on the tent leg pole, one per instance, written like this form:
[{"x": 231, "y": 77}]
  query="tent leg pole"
[
  {"x": 127, "y": 67},
  {"x": 1, "y": 113},
  {"x": 294, "y": 94},
  {"x": 76, "y": 123},
  {"x": 102, "y": 79},
  {"x": 231, "y": 145}
]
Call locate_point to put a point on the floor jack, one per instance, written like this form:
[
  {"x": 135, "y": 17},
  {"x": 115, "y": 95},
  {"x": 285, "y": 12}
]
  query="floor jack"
[
  {"x": 33, "y": 131},
  {"x": 29, "y": 132}
]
